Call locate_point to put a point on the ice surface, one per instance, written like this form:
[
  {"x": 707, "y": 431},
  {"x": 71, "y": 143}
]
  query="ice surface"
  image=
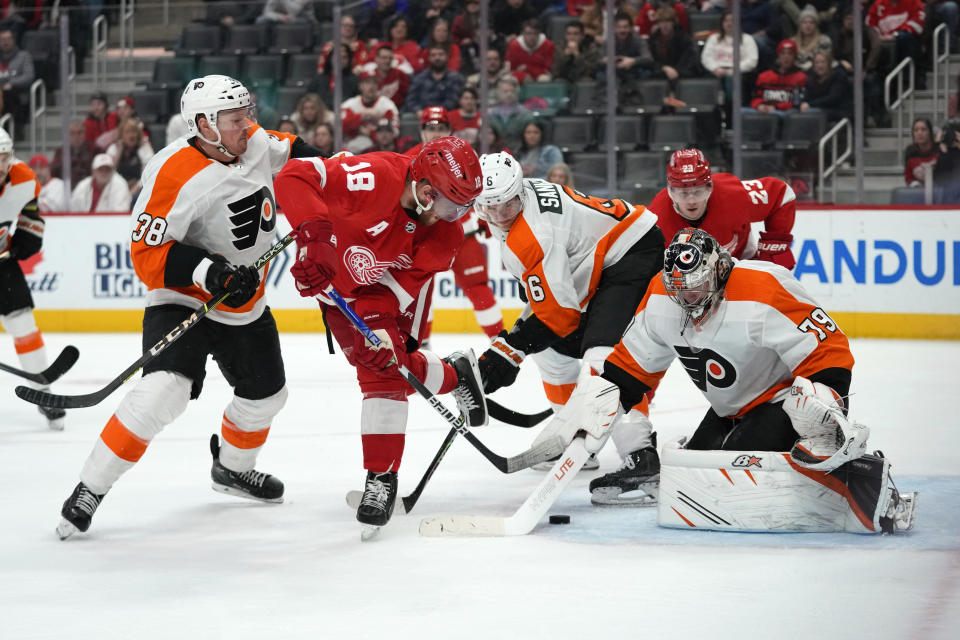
[{"x": 167, "y": 557}]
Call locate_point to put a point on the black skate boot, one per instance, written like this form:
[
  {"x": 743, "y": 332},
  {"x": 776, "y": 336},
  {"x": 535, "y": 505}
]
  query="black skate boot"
[
  {"x": 636, "y": 483},
  {"x": 77, "y": 511},
  {"x": 376, "y": 506},
  {"x": 468, "y": 392},
  {"x": 54, "y": 417},
  {"x": 247, "y": 484}
]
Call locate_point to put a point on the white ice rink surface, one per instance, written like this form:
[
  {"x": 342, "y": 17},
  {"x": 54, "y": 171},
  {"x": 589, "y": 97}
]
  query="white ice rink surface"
[{"x": 167, "y": 557}]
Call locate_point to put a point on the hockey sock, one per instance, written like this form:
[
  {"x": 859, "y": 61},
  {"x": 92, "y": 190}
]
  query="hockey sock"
[
  {"x": 27, "y": 339},
  {"x": 244, "y": 429},
  {"x": 485, "y": 309},
  {"x": 382, "y": 425},
  {"x": 437, "y": 376}
]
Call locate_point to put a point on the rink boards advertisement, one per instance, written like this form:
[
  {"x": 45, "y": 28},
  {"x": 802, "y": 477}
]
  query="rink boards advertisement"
[{"x": 882, "y": 272}]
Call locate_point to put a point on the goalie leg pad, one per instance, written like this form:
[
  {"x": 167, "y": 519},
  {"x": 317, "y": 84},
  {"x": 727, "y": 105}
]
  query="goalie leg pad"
[{"x": 592, "y": 408}]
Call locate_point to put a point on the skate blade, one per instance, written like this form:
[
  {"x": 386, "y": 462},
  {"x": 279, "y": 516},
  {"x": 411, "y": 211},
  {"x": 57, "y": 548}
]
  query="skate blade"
[
  {"x": 904, "y": 519},
  {"x": 368, "y": 532},
  {"x": 65, "y": 529},
  {"x": 230, "y": 491},
  {"x": 611, "y": 497}
]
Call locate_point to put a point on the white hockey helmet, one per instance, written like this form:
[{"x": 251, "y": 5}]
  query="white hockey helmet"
[
  {"x": 502, "y": 182},
  {"x": 6, "y": 142},
  {"x": 208, "y": 96}
]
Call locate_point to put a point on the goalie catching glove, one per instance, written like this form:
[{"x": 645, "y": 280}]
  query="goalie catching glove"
[
  {"x": 592, "y": 409},
  {"x": 827, "y": 438}
]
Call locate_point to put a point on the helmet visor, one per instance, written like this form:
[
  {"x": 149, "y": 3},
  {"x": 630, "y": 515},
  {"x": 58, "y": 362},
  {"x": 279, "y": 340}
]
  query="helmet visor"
[
  {"x": 236, "y": 119},
  {"x": 446, "y": 209},
  {"x": 689, "y": 194},
  {"x": 503, "y": 213}
]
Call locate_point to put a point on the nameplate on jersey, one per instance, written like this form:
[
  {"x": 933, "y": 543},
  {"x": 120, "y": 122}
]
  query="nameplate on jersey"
[
  {"x": 707, "y": 366},
  {"x": 548, "y": 197},
  {"x": 251, "y": 214}
]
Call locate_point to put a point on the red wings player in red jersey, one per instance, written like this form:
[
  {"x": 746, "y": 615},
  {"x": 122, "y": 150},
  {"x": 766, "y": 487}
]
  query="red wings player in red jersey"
[
  {"x": 724, "y": 206},
  {"x": 378, "y": 227}
]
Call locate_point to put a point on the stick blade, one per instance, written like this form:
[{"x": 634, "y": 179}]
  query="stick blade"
[
  {"x": 64, "y": 362},
  {"x": 515, "y": 418},
  {"x": 46, "y": 399},
  {"x": 478, "y": 526}
]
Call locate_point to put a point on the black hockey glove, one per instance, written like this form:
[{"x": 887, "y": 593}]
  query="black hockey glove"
[
  {"x": 28, "y": 239},
  {"x": 500, "y": 364},
  {"x": 240, "y": 282}
]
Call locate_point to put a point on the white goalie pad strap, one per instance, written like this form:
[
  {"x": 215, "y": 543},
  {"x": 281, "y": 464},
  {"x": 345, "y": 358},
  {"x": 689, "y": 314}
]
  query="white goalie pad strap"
[
  {"x": 591, "y": 408},
  {"x": 383, "y": 416},
  {"x": 762, "y": 491}
]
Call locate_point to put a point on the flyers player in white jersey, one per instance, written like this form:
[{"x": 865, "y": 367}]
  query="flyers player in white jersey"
[
  {"x": 724, "y": 206},
  {"x": 21, "y": 236},
  {"x": 584, "y": 263},
  {"x": 207, "y": 210},
  {"x": 378, "y": 227},
  {"x": 769, "y": 360}
]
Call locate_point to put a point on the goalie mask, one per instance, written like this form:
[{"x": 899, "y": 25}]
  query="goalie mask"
[{"x": 695, "y": 270}]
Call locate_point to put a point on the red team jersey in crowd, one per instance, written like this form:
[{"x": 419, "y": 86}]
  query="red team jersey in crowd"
[
  {"x": 782, "y": 90},
  {"x": 377, "y": 241},
  {"x": 732, "y": 206}
]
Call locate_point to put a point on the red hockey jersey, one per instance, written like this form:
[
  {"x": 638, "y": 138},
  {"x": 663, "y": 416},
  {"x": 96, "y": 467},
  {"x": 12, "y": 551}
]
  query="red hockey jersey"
[{"x": 782, "y": 90}]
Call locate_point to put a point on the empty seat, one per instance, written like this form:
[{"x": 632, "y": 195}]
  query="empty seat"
[
  {"x": 573, "y": 133},
  {"x": 173, "y": 71},
  {"x": 802, "y": 130},
  {"x": 244, "y": 39},
  {"x": 263, "y": 70},
  {"x": 557, "y": 26},
  {"x": 586, "y": 97},
  {"x": 221, "y": 65},
  {"x": 703, "y": 24},
  {"x": 760, "y": 164},
  {"x": 700, "y": 94},
  {"x": 759, "y": 130},
  {"x": 287, "y": 98},
  {"x": 410, "y": 126},
  {"x": 668, "y": 133},
  {"x": 301, "y": 69},
  {"x": 589, "y": 171},
  {"x": 158, "y": 135},
  {"x": 151, "y": 105},
  {"x": 644, "y": 170},
  {"x": 291, "y": 38},
  {"x": 199, "y": 40},
  {"x": 42, "y": 43},
  {"x": 907, "y": 195},
  {"x": 555, "y": 94},
  {"x": 323, "y": 34},
  {"x": 651, "y": 94},
  {"x": 630, "y": 132}
]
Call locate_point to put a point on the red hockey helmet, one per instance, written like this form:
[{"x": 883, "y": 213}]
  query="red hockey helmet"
[
  {"x": 436, "y": 114},
  {"x": 688, "y": 168},
  {"x": 451, "y": 166}
]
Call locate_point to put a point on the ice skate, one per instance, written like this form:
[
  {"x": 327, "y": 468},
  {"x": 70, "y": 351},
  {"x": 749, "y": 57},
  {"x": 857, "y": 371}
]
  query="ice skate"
[
  {"x": 77, "y": 511},
  {"x": 635, "y": 483},
  {"x": 376, "y": 506},
  {"x": 250, "y": 484},
  {"x": 54, "y": 417},
  {"x": 469, "y": 391}
]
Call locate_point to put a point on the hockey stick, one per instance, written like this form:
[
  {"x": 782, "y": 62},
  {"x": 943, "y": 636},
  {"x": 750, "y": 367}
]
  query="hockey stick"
[
  {"x": 530, "y": 512},
  {"x": 60, "y": 366},
  {"x": 541, "y": 452},
  {"x": 515, "y": 418},
  {"x": 45, "y": 399}
]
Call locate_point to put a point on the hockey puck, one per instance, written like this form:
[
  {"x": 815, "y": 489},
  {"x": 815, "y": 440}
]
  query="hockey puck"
[{"x": 559, "y": 519}]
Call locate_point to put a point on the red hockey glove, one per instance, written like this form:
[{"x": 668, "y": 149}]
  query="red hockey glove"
[
  {"x": 376, "y": 358},
  {"x": 775, "y": 248},
  {"x": 316, "y": 263}
]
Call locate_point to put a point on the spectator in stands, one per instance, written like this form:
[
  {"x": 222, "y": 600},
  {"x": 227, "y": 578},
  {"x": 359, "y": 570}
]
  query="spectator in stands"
[
  {"x": 842, "y": 38},
  {"x": 509, "y": 118},
  {"x": 828, "y": 89},
  {"x": 577, "y": 7},
  {"x": 900, "y": 21},
  {"x": 436, "y": 84},
  {"x": 531, "y": 55},
  {"x": 429, "y": 11},
  {"x": 385, "y": 137},
  {"x": 398, "y": 37},
  {"x": 535, "y": 157},
  {"x": 779, "y": 89},
  {"x": 125, "y": 110},
  {"x": 438, "y": 35},
  {"x": 674, "y": 54},
  {"x": 102, "y": 192},
  {"x": 348, "y": 38},
  {"x": 322, "y": 85},
  {"x": 594, "y": 18},
  {"x": 323, "y": 139},
  {"x": 921, "y": 155},
  {"x": 227, "y": 13},
  {"x": 809, "y": 39},
  {"x": 509, "y": 16},
  {"x": 393, "y": 73},
  {"x": 310, "y": 112},
  {"x": 717, "y": 57},
  {"x": 647, "y": 16},
  {"x": 496, "y": 70},
  {"x": 287, "y": 12},
  {"x": 53, "y": 191},
  {"x": 130, "y": 153},
  {"x": 580, "y": 56},
  {"x": 494, "y": 143},
  {"x": 952, "y": 103},
  {"x": 561, "y": 174},
  {"x": 464, "y": 33},
  {"x": 22, "y": 16},
  {"x": 99, "y": 119},
  {"x": 946, "y": 172},
  {"x": 372, "y": 20},
  {"x": 81, "y": 154},
  {"x": 465, "y": 121},
  {"x": 16, "y": 76},
  {"x": 760, "y": 19},
  {"x": 361, "y": 114},
  {"x": 944, "y": 12},
  {"x": 286, "y": 125}
]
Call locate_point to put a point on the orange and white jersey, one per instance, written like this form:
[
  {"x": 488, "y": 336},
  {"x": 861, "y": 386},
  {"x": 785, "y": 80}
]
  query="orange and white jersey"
[
  {"x": 16, "y": 191},
  {"x": 561, "y": 242},
  {"x": 226, "y": 209},
  {"x": 765, "y": 331}
]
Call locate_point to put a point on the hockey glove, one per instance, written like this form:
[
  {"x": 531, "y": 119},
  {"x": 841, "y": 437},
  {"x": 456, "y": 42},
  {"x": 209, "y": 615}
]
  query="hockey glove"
[
  {"x": 378, "y": 358},
  {"x": 28, "y": 239},
  {"x": 500, "y": 364},
  {"x": 241, "y": 282},
  {"x": 316, "y": 263},
  {"x": 775, "y": 247}
]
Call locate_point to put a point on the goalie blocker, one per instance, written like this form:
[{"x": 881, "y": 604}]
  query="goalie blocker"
[{"x": 769, "y": 491}]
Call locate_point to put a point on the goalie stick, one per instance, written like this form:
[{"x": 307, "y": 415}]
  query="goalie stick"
[
  {"x": 530, "y": 512},
  {"x": 45, "y": 399},
  {"x": 544, "y": 451},
  {"x": 60, "y": 366}
]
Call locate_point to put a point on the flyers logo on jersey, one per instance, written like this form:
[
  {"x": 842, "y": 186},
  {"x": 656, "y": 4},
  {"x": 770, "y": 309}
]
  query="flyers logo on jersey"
[
  {"x": 366, "y": 269},
  {"x": 706, "y": 366},
  {"x": 251, "y": 214}
]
